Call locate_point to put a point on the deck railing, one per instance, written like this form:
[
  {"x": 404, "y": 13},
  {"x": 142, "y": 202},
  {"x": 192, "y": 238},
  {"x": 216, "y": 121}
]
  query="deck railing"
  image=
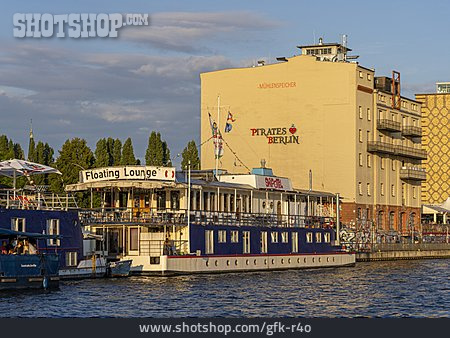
[
  {"x": 179, "y": 217},
  {"x": 36, "y": 200}
]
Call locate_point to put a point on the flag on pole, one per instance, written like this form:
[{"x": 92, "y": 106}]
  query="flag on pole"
[
  {"x": 217, "y": 138},
  {"x": 228, "y": 125}
]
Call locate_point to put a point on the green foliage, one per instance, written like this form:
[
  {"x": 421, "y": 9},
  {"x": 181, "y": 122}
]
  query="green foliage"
[
  {"x": 43, "y": 155},
  {"x": 128, "y": 157},
  {"x": 190, "y": 153},
  {"x": 73, "y": 157},
  {"x": 154, "y": 153},
  {"x": 103, "y": 157},
  {"x": 117, "y": 152},
  {"x": 166, "y": 155},
  {"x": 32, "y": 151}
]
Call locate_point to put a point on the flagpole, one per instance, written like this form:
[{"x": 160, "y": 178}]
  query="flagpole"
[{"x": 217, "y": 147}]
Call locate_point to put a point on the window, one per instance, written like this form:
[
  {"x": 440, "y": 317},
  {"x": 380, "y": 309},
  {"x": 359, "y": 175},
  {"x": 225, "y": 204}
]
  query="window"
[
  {"x": 369, "y": 161},
  {"x": 393, "y": 190},
  {"x": 161, "y": 200},
  {"x": 274, "y": 237},
  {"x": 222, "y": 236},
  {"x": 382, "y": 163},
  {"x": 71, "y": 258},
  {"x": 360, "y": 188},
  {"x": 295, "y": 242},
  {"x": 309, "y": 237},
  {"x": 175, "y": 200},
  {"x": 360, "y": 136},
  {"x": 318, "y": 237},
  {"x": 234, "y": 236},
  {"x": 361, "y": 75},
  {"x": 246, "y": 242},
  {"x": 263, "y": 241},
  {"x": 391, "y": 220},
  {"x": 134, "y": 239},
  {"x": 53, "y": 229},
  {"x": 284, "y": 237},
  {"x": 360, "y": 112},
  {"x": 18, "y": 224},
  {"x": 360, "y": 160},
  {"x": 382, "y": 189},
  {"x": 368, "y": 189},
  {"x": 368, "y": 135},
  {"x": 327, "y": 237},
  {"x": 414, "y": 193},
  {"x": 369, "y": 77},
  {"x": 393, "y": 164},
  {"x": 209, "y": 242},
  {"x": 368, "y": 114}
]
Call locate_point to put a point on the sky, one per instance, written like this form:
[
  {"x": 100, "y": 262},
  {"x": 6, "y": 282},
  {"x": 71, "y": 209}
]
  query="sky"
[{"x": 148, "y": 77}]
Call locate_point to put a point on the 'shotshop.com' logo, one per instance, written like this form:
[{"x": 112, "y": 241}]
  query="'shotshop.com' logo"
[{"x": 81, "y": 25}]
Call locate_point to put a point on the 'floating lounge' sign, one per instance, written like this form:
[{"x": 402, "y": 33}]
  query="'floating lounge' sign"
[{"x": 128, "y": 173}]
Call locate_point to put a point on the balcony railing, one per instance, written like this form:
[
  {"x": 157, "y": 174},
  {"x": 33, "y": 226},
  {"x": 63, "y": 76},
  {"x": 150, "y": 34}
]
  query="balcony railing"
[
  {"x": 413, "y": 173},
  {"x": 380, "y": 147},
  {"x": 412, "y": 131},
  {"x": 390, "y": 125},
  {"x": 406, "y": 151}
]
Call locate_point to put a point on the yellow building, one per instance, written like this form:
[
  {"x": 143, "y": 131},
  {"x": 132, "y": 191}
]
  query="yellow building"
[
  {"x": 436, "y": 134},
  {"x": 319, "y": 115}
]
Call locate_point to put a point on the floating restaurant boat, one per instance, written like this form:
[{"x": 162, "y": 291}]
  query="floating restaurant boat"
[
  {"x": 169, "y": 222},
  {"x": 22, "y": 268}
]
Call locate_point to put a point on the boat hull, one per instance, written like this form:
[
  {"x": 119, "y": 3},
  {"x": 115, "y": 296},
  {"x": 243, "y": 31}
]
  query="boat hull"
[{"x": 167, "y": 265}]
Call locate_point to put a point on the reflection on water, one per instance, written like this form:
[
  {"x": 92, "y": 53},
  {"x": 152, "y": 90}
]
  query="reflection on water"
[{"x": 386, "y": 289}]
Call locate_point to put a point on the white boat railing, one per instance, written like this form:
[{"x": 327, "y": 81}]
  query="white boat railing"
[{"x": 36, "y": 200}]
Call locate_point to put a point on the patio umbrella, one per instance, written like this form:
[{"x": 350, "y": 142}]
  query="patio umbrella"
[{"x": 15, "y": 167}]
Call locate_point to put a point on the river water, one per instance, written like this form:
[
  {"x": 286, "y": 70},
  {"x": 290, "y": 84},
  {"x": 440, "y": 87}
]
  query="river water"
[{"x": 418, "y": 288}]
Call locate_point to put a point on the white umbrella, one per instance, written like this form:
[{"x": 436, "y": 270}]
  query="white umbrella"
[{"x": 15, "y": 167}]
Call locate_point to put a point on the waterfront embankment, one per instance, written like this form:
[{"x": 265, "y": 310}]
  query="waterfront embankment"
[{"x": 387, "y": 252}]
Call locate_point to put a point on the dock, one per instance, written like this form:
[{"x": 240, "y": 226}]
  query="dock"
[{"x": 387, "y": 252}]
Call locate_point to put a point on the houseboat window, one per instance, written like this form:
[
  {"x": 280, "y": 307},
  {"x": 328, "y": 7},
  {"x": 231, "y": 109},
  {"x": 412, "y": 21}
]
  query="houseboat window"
[
  {"x": 134, "y": 239},
  {"x": 234, "y": 236},
  {"x": 18, "y": 224},
  {"x": 209, "y": 242},
  {"x": 295, "y": 242},
  {"x": 284, "y": 237},
  {"x": 71, "y": 258},
  {"x": 225, "y": 202},
  {"x": 326, "y": 237},
  {"x": 309, "y": 237},
  {"x": 318, "y": 237},
  {"x": 246, "y": 241},
  {"x": 98, "y": 243},
  {"x": 175, "y": 200},
  {"x": 197, "y": 201},
  {"x": 274, "y": 237},
  {"x": 147, "y": 201},
  {"x": 53, "y": 229},
  {"x": 205, "y": 201},
  {"x": 263, "y": 241},
  {"x": 222, "y": 236},
  {"x": 161, "y": 200}
]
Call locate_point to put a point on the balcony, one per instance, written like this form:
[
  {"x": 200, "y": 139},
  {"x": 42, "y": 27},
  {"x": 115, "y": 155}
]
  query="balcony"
[
  {"x": 380, "y": 147},
  {"x": 389, "y": 125},
  {"x": 420, "y": 154},
  {"x": 413, "y": 173},
  {"x": 412, "y": 131}
]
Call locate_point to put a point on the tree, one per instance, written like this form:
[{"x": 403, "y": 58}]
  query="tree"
[
  {"x": 43, "y": 155},
  {"x": 110, "y": 145},
  {"x": 31, "y": 156},
  {"x": 102, "y": 155},
  {"x": 73, "y": 157},
  {"x": 190, "y": 153},
  {"x": 155, "y": 153},
  {"x": 117, "y": 152},
  {"x": 128, "y": 157},
  {"x": 167, "y": 161}
]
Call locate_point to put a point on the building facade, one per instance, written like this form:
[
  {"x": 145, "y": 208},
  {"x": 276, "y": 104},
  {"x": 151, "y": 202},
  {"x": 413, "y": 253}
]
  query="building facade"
[
  {"x": 325, "y": 123},
  {"x": 436, "y": 134}
]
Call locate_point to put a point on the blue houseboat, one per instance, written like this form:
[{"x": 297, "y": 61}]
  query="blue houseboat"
[{"x": 205, "y": 221}]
